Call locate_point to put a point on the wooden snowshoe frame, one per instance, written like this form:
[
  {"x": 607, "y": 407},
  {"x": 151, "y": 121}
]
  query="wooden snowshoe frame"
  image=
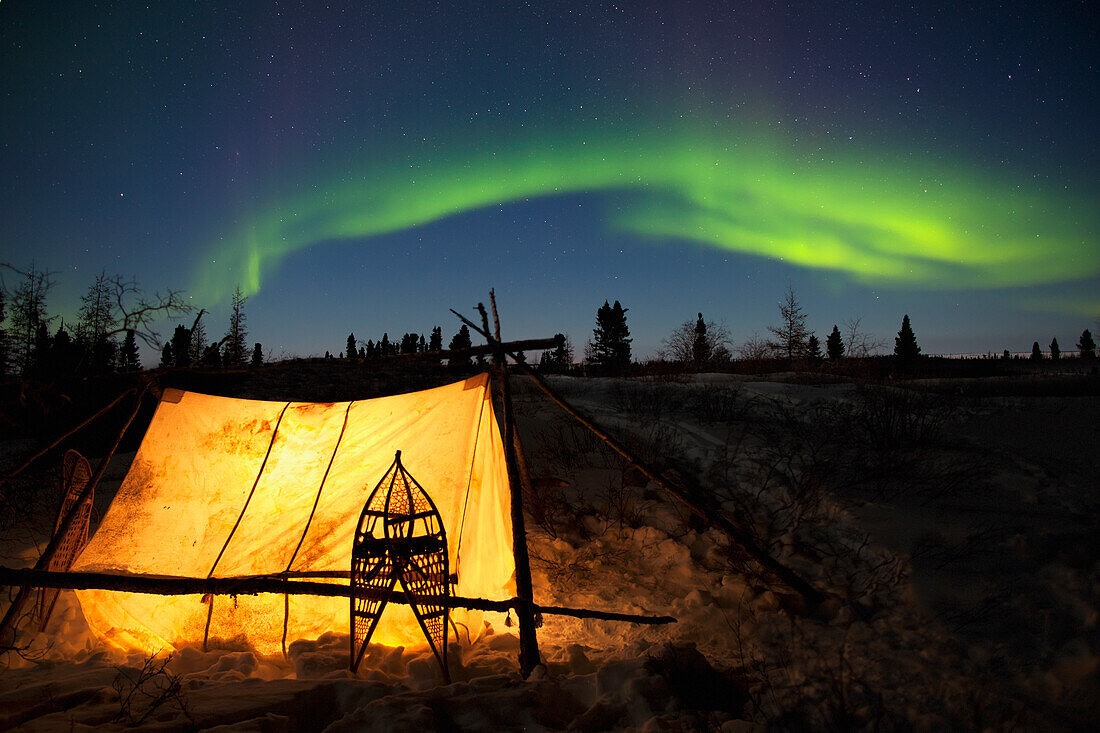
[
  {"x": 76, "y": 472},
  {"x": 400, "y": 537}
]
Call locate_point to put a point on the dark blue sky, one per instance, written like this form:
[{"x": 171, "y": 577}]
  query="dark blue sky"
[{"x": 374, "y": 166}]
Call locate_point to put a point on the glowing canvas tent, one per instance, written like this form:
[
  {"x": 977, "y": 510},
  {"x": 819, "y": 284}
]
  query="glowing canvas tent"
[{"x": 229, "y": 487}]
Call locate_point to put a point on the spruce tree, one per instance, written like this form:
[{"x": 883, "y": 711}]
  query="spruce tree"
[
  {"x": 1086, "y": 345},
  {"x": 435, "y": 342},
  {"x": 1055, "y": 352},
  {"x": 257, "y": 356},
  {"x": 791, "y": 334},
  {"x": 351, "y": 350},
  {"x": 700, "y": 346},
  {"x": 834, "y": 345},
  {"x": 181, "y": 346},
  {"x": 371, "y": 351},
  {"x": 610, "y": 344},
  {"x": 905, "y": 344},
  {"x": 212, "y": 356},
  {"x": 384, "y": 344},
  {"x": 167, "y": 358},
  {"x": 236, "y": 344},
  {"x": 128, "y": 356},
  {"x": 813, "y": 348},
  {"x": 461, "y": 340},
  {"x": 1036, "y": 352}
]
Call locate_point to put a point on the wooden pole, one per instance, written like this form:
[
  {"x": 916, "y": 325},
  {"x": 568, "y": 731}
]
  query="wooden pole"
[
  {"x": 247, "y": 585},
  {"x": 99, "y": 413},
  {"x": 813, "y": 596},
  {"x": 15, "y": 610},
  {"x": 528, "y": 636}
]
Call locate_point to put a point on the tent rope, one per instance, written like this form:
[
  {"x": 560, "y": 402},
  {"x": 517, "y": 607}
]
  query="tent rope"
[
  {"x": 469, "y": 481},
  {"x": 259, "y": 474},
  {"x": 316, "y": 501}
]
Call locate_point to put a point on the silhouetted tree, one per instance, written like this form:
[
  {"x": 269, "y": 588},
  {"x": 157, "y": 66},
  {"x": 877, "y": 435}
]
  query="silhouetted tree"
[
  {"x": 408, "y": 343},
  {"x": 257, "y": 356},
  {"x": 813, "y": 348},
  {"x": 1036, "y": 352},
  {"x": 421, "y": 345},
  {"x": 700, "y": 346},
  {"x": 1086, "y": 345},
  {"x": 42, "y": 363},
  {"x": 435, "y": 341},
  {"x": 834, "y": 345},
  {"x": 1055, "y": 351},
  {"x": 181, "y": 346},
  {"x": 212, "y": 356},
  {"x": 167, "y": 358},
  {"x": 97, "y": 325},
  {"x": 129, "y": 360},
  {"x": 371, "y": 351},
  {"x": 461, "y": 340},
  {"x": 28, "y": 312},
  {"x": 351, "y": 349},
  {"x": 199, "y": 342},
  {"x": 1006, "y": 356},
  {"x": 790, "y": 334},
  {"x": 693, "y": 339},
  {"x": 610, "y": 344},
  {"x": 384, "y": 345},
  {"x": 235, "y": 351},
  {"x": 905, "y": 344},
  {"x": 560, "y": 358}
]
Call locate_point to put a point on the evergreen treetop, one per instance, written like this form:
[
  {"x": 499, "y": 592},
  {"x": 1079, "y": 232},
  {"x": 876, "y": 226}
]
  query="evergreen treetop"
[
  {"x": 1086, "y": 345},
  {"x": 834, "y": 345},
  {"x": 905, "y": 344}
]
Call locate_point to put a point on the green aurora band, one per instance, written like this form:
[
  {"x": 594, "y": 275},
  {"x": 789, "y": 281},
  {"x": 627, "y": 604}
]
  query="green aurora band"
[{"x": 878, "y": 221}]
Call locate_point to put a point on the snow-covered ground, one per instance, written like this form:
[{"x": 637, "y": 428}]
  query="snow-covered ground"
[{"x": 955, "y": 538}]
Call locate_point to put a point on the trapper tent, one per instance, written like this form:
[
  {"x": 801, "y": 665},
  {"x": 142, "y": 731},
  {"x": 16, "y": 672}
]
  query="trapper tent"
[{"x": 224, "y": 487}]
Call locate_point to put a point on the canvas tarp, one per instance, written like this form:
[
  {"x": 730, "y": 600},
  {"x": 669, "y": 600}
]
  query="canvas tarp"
[{"x": 196, "y": 503}]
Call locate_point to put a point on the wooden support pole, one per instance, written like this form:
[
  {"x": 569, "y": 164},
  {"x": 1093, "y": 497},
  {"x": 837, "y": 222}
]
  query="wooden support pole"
[
  {"x": 246, "y": 585},
  {"x": 528, "y": 636},
  {"x": 8, "y": 627},
  {"x": 791, "y": 579}
]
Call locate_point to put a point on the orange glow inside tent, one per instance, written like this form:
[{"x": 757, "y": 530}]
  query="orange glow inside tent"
[{"x": 196, "y": 503}]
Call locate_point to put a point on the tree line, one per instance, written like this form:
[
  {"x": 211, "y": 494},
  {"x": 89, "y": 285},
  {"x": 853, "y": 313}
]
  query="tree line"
[
  {"x": 115, "y": 314},
  {"x": 701, "y": 343}
]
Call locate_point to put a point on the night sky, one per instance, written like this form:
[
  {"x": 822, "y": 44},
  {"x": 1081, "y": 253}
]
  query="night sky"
[{"x": 366, "y": 166}]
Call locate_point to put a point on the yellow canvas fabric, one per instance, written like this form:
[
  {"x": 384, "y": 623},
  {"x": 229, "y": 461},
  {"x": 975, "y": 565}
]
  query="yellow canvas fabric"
[{"x": 190, "y": 485}]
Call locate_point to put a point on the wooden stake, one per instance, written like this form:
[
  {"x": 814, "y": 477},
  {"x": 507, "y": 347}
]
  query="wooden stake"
[
  {"x": 247, "y": 585},
  {"x": 528, "y": 636}
]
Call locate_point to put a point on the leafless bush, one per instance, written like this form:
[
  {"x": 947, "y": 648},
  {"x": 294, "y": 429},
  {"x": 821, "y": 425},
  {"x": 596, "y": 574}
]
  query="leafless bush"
[
  {"x": 718, "y": 404},
  {"x": 142, "y": 692}
]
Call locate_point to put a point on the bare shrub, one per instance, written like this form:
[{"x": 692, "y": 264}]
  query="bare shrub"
[{"x": 142, "y": 692}]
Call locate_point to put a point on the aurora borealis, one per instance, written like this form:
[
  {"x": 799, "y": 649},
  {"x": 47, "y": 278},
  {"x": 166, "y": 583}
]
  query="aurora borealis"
[
  {"x": 365, "y": 169},
  {"x": 870, "y": 221}
]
